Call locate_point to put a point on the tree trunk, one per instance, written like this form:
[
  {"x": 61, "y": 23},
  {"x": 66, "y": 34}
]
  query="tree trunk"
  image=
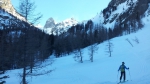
[{"x": 24, "y": 76}]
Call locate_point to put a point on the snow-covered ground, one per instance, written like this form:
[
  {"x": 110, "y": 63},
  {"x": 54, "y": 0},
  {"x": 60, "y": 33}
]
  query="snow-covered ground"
[{"x": 104, "y": 69}]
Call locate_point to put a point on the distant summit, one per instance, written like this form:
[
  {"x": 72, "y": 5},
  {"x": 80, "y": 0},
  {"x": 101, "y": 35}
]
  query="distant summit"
[
  {"x": 57, "y": 28},
  {"x": 50, "y": 23}
]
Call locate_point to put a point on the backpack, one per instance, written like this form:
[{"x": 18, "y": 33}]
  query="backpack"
[{"x": 122, "y": 68}]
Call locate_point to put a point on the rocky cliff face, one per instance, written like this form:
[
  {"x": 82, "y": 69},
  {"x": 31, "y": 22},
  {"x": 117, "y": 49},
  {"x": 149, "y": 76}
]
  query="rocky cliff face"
[
  {"x": 50, "y": 23},
  {"x": 122, "y": 12},
  {"x": 7, "y": 6}
]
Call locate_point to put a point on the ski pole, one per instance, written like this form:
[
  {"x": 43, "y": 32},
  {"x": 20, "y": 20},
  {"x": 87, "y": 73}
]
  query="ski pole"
[
  {"x": 117, "y": 76},
  {"x": 129, "y": 75}
]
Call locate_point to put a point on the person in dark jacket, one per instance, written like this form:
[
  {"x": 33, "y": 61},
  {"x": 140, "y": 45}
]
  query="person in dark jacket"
[{"x": 122, "y": 70}]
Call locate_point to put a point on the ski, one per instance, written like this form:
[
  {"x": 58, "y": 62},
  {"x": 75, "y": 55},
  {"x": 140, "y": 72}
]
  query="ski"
[{"x": 122, "y": 82}]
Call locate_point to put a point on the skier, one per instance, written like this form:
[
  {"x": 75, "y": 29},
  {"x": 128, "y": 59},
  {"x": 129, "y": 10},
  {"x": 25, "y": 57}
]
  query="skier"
[{"x": 122, "y": 70}]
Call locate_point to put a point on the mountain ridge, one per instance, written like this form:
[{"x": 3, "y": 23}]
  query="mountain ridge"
[
  {"x": 123, "y": 11},
  {"x": 118, "y": 13},
  {"x": 57, "y": 28}
]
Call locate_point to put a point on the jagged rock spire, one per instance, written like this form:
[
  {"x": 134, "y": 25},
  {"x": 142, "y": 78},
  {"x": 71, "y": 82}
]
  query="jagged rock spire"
[{"x": 50, "y": 23}]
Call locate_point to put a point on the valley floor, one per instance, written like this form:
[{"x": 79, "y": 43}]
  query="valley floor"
[{"x": 104, "y": 69}]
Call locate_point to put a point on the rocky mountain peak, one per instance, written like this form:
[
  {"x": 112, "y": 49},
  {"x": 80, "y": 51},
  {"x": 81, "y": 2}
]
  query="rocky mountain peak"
[
  {"x": 7, "y": 6},
  {"x": 59, "y": 27},
  {"x": 50, "y": 23},
  {"x": 51, "y": 19}
]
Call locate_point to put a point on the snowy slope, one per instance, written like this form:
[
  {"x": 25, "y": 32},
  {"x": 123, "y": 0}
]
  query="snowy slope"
[
  {"x": 7, "y": 19},
  {"x": 121, "y": 8},
  {"x": 104, "y": 68},
  {"x": 4, "y": 18}
]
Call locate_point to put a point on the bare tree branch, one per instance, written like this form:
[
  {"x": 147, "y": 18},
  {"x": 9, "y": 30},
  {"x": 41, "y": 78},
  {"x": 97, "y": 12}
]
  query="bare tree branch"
[
  {"x": 26, "y": 9},
  {"x": 92, "y": 50},
  {"x": 78, "y": 56},
  {"x": 109, "y": 46},
  {"x": 136, "y": 40},
  {"x": 129, "y": 42}
]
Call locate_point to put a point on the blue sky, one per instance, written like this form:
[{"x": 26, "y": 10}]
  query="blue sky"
[{"x": 63, "y": 9}]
